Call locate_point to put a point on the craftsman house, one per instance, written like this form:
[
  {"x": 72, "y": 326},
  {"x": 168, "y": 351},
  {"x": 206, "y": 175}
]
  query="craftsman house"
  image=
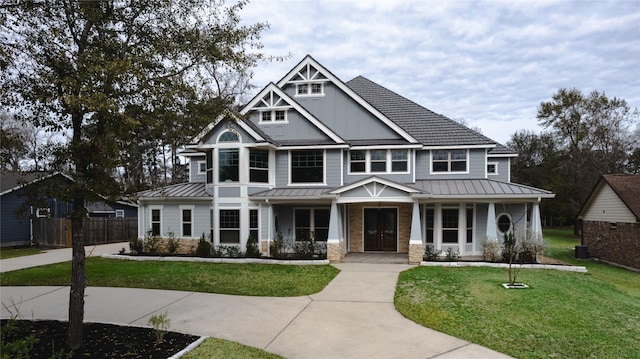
[
  {"x": 352, "y": 164},
  {"x": 611, "y": 220}
]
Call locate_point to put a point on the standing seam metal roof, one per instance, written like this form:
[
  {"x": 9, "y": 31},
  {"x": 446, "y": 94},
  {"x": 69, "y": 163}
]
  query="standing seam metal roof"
[{"x": 189, "y": 189}]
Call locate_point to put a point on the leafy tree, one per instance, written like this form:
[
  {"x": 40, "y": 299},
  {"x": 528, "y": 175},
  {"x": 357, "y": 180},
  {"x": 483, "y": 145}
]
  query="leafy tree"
[{"x": 82, "y": 66}]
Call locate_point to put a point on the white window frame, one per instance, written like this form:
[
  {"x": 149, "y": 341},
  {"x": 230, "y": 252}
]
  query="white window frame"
[
  {"x": 201, "y": 164},
  {"x": 268, "y": 169},
  {"x": 309, "y": 90},
  {"x": 388, "y": 162},
  {"x": 511, "y": 224},
  {"x": 151, "y": 221},
  {"x": 494, "y": 173},
  {"x": 443, "y": 228},
  {"x": 43, "y": 212},
  {"x": 119, "y": 213},
  {"x": 312, "y": 220},
  {"x": 235, "y": 229},
  {"x": 449, "y": 171},
  {"x": 182, "y": 222},
  {"x": 324, "y": 171},
  {"x": 272, "y": 116}
]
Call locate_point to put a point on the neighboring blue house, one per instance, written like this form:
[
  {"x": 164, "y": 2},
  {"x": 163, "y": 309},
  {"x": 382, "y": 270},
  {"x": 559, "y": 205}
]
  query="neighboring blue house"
[
  {"x": 25, "y": 197},
  {"x": 351, "y": 163}
]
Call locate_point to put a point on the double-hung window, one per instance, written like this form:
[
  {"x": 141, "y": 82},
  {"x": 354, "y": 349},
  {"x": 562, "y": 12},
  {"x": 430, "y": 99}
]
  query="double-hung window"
[
  {"x": 156, "y": 222},
  {"x": 358, "y": 160},
  {"x": 230, "y": 226},
  {"x": 307, "y": 89},
  {"x": 187, "y": 222},
  {"x": 253, "y": 223},
  {"x": 399, "y": 161},
  {"x": 259, "y": 166},
  {"x": 378, "y": 161},
  {"x": 273, "y": 116},
  {"x": 450, "y": 219},
  {"x": 311, "y": 222},
  {"x": 307, "y": 166},
  {"x": 449, "y": 161}
]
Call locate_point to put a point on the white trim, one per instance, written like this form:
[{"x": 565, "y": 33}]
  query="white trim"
[
  {"x": 496, "y": 173},
  {"x": 191, "y": 208},
  {"x": 199, "y": 165},
  {"x": 397, "y": 225},
  {"x": 314, "y": 147},
  {"x": 308, "y": 60},
  {"x": 272, "y": 115},
  {"x": 436, "y": 173},
  {"x": 312, "y": 225},
  {"x": 228, "y": 143},
  {"x": 388, "y": 162},
  {"x": 498, "y": 222},
  {"x": 151, "y": 209},
  {"x": 43, "y": 212},
  {"x": 305, "y": 184},
  {"x": 374, "y": 179},
  {"x": 119, "y": 213},
  {"x": 456, "y": 147},
  {"x": 196, "y": 141}
]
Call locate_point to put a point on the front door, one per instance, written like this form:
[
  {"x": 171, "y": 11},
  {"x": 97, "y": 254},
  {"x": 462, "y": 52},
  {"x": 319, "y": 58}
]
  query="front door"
[{"x": 380, "y": 229}]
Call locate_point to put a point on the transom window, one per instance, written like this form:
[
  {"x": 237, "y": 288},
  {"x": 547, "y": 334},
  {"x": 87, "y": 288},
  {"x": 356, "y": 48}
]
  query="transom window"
[
  {"x": 229, "y": 137},
  {"x": 259, "y": 166},
  {"x": 228, "y": 165},
  {"x": 273, "y": 116},
  {"x": 376, "y": 161},
  {"x": 306, "y": 89},
  {"x": 307, "y": 166},
  {"x": 449, "y": 160},
  {"x": 312, "y": 222},
  {"x": 229, "y": 226}
]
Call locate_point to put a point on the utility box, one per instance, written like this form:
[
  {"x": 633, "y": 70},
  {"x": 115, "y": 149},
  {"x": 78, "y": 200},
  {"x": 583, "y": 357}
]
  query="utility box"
[{"x": 582, "y": 252}]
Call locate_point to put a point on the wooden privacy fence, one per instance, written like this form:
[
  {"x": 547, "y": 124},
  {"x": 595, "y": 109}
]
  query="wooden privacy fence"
[{"x": 56, "y": 232}]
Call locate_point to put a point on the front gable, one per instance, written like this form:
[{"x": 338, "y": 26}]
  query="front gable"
[
  {"x": 604, "y": 205},
  {"x": 374, "y": 189}
]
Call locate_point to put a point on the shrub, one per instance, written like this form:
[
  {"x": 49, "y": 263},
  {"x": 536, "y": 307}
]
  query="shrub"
[
  {"x": 232, "y": 251},
  {"x": 252, "y": 248},
  {"x": 19, "y": 347},
  {"x": 278, "y": 247},
  {"x": 172, "y": 243},
  {"x": 490, "y": 250},
  {"x": 431, "y": 253},
  {"x": 204, "y": 247},
  {"x": 151, "y": 243},
  {"x": 452, "y": 255},
  {"x": 136, "y": 246},
  {"x": 160, "y": 324}
]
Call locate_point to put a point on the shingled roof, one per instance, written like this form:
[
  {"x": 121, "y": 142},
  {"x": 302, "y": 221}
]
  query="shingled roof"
[
  {"x": 627, "y": 187},
  {"x": 428, "y": 127}
]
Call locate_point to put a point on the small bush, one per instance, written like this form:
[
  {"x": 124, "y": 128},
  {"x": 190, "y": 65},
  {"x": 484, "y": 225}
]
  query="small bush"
[
  {"x": 232, "y": 251},
  {"x": 136, "y": 246},
  {"x": 431, "y": 253},
  {"x": 151, "y": 243},
  {"x": 160, "y": 324},
  {"x": 278, "y": 247},
  {"x": 490, "y": 250},
  {"x": 172, "y": 243},
  {"x": 204, "y": 247},
  {"x": 452, "y": 255},
  {"x": 252, "y": 248}
]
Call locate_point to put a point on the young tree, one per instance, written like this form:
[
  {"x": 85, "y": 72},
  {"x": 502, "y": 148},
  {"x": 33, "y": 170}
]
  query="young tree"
[{"x": 80, "y": 66}]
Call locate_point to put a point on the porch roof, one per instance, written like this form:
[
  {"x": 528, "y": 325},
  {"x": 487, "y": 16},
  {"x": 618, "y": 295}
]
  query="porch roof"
[
  {"x": 180, "y": 190},
  {"x": 476, "y": 189}
]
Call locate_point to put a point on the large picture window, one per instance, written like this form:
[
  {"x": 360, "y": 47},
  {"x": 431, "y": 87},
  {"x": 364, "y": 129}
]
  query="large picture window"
[
  {"x": 307, "y": 166},
  {"x": 259, "y": 166},
  {"x": 450, "y": 219},
  {"x": 312, "y": 222},
  {"x": 449, "y": 161},
  {"x": 230, "y": 226},
  {"x": 228, "y": 161}
]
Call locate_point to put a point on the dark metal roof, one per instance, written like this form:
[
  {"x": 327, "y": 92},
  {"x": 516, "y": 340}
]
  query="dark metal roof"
[
  {"x": 180, "y": 190},
  {"x": 478, "y": 187},
  {"x": 293, "y": 193},
  {"x": 428, "y": 127}
]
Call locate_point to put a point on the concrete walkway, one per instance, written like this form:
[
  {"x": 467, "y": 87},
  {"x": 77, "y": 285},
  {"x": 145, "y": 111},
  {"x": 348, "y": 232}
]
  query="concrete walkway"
[{"x": 353, "y": 317}]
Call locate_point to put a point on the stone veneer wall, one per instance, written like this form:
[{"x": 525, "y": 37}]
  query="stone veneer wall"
[
  {"x": 620, "y": 245},
  {"x": 356, "y": 243}
]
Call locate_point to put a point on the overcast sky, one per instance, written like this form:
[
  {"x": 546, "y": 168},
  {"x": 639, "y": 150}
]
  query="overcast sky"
[{"x": 489, "y": 63}]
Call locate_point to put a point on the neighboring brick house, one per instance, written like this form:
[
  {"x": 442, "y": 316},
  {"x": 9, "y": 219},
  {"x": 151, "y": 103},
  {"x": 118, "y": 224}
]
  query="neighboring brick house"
[
  {"x": 611, "y": 220},
  {"x": 353, "y": 163}
]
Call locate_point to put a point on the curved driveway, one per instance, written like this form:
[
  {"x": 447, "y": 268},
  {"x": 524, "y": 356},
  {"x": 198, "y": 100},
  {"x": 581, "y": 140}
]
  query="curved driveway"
[{"x": 353, "y": 317}]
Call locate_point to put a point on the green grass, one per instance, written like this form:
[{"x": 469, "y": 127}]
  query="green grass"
[
  {"x": 18, "y": 252},
  {"x": 219, "y": 348},
  {"x": 562, "y": 315},
  {"x": 561, "y": 245},
  {"x": 236, "y": 279}
]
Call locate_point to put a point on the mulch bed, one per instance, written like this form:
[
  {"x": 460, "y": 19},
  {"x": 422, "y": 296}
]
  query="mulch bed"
[{"x": 100, "y": 340}]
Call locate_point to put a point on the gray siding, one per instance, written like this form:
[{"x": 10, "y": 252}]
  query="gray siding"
[
  {"x": 282, "y": 168},
  {"x": 503, "y": 168},
  {"x": 223, "y": 126},
  {"x": 396, "y": 177},
  {"x": 332, "y": 163},
  {"x": 343, "y": 115},
  {"x": 298, "y": 127},
  {"x": 233, "y": 192},
  {"x": 193, "y": 169}
]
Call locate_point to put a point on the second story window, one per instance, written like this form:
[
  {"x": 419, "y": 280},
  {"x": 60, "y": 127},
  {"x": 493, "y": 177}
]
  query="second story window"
[
  {"x": 449, "y": 161},
  {"x": 492, "y": 168},
  {"x": 228, "y": 161},
  {"x": 275, "y": 116},
  {"x": 307, "y": 166},
  {"x": 358, "y": 161},
  {"x": 379, "y": 161},
  {"x": 399, "y": 161},
  {"x": 309, "y": 89},
  {"x": 259, "y": 166}
]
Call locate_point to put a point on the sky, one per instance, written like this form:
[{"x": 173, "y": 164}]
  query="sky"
[{"x": 487, "y": 63}]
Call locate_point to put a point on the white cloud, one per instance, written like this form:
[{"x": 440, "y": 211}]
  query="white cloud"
[{"x": 488, "y": 62}]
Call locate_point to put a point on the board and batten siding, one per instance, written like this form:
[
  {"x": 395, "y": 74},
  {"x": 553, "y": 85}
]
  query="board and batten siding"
[{"x": 606, "y": 206}]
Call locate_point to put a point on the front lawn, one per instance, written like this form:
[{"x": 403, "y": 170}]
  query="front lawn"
[
  {"x": 236, "y": 279},
  {"x": 562, "y": 315},
  {"x": 220, "y": 348},
  {"x": 18, "y": 252}
]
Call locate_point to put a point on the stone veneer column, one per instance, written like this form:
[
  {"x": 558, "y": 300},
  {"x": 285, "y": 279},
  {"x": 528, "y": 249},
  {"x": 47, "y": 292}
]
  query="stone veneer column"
[
  {"x": 416, "y": 250},
  {"x": 334, "y": 248}
]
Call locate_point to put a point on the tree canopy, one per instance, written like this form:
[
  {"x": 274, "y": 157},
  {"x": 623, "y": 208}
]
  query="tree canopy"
[
  {"x": 117, "y": 75},
  {"x": 585, "y": 136}
]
